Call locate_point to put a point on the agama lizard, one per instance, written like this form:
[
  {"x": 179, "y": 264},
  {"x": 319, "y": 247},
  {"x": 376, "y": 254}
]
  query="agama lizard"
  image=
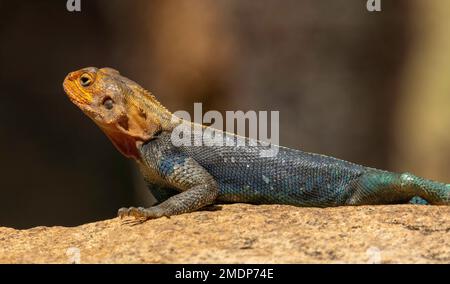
[{"x": 185, "y": 178}]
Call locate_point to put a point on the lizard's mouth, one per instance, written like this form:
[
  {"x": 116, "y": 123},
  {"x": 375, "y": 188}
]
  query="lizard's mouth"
[{"x": 75, "y": 94}]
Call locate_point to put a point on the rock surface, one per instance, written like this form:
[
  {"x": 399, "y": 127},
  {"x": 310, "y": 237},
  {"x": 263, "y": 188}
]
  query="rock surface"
[{"x": 242, "y": 233}]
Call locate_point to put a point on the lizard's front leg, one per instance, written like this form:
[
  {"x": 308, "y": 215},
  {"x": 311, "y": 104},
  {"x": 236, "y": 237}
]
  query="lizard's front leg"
[
  {"x": 187, "y": 201},
  {"x": 198, "y": 188}
]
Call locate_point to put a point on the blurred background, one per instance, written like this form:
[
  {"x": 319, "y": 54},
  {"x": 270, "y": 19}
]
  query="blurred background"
[{"x": 372, "y": 88}]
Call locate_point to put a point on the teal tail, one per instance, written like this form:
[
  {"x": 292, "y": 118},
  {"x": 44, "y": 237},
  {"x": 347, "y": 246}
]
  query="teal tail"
[
  {"x": 380, "y": 187},
  {"x": 433, "y": 192}
]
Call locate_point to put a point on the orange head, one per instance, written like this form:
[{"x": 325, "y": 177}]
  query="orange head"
[{"x": 127, "y": 113}]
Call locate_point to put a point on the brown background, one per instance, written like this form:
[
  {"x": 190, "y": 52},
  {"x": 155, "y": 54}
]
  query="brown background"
[{"x": 372, "y": 88}]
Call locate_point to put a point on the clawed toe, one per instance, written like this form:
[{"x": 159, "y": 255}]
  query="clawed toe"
[
  {"x": 131, "y": 212},
  {"x": 122, "y": 212},
  {"x": 141, "y": 212},
  {"x": 134, "y": 222}
]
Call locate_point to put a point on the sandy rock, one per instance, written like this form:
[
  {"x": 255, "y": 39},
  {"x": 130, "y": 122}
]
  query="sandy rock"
[{"x": 242, "y": 233}]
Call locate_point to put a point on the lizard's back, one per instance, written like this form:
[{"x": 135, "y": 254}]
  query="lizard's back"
[{"x": 289, "y": 177}]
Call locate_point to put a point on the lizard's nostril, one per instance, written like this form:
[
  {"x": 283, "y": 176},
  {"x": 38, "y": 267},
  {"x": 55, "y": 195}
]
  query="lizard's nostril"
[{"x": 72, "y": 76}]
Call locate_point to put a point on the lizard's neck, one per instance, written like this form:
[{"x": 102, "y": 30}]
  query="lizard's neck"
[
  {"x": 154, "y": 111},
  {"x": 144, "y": 118}
]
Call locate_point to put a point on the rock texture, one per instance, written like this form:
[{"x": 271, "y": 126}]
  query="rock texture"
[{"x": 246, "y": 234}]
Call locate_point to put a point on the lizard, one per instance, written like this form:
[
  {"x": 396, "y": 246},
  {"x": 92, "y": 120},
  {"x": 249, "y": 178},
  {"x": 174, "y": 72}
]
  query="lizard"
[{"x": 185, "y": 178}]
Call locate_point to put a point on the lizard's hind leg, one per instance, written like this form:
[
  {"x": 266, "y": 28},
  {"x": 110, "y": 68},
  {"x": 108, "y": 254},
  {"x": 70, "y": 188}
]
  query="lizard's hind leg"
[{"x": 380, "y": 187}]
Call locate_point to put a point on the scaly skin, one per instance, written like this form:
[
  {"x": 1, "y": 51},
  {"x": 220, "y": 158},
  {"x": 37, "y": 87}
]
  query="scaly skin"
[{"x": 186, "y": 178}]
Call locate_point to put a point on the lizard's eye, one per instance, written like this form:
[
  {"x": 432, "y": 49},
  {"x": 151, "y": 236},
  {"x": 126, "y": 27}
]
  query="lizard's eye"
[
  {"x": 108, "y": 103},
  {"x": 85, "y": 80}
]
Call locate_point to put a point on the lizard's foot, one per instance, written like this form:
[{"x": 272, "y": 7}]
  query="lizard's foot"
[{"x": 140, "y": 212}]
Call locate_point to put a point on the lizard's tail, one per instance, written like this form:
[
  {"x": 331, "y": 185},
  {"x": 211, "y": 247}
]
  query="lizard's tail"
[
  {"x": 379, "y": 187},
  {"x": 433, "y": 192}
]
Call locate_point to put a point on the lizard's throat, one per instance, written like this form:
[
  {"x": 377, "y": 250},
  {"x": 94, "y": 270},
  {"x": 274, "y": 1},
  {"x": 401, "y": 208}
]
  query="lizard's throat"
[{"x": 125, "y": 143}]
